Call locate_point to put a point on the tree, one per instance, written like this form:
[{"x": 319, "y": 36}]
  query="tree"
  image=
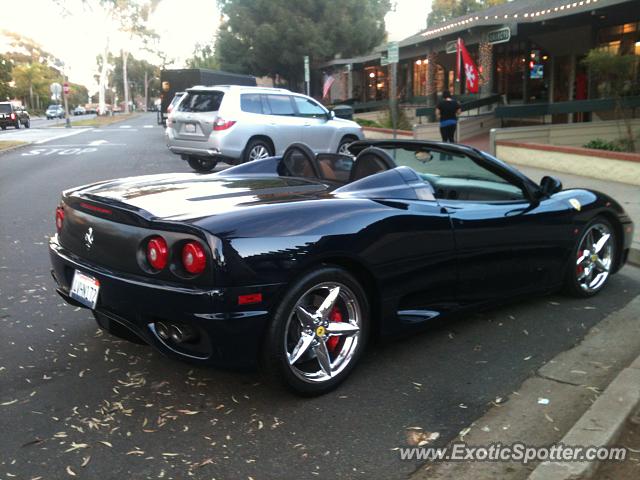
[
  {"x": 271, "y": 37},
  {"x": 5, "y": 78},
  {"x": 203, "y": 57},
  {"x": 443, "y": 10},
  {"x": 616, "y": 76}
]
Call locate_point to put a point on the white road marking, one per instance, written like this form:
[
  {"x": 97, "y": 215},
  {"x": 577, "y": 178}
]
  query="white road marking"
[
  {"x": 125, "y": 126},
  {"x": 60, "y": 151},
  {"x": 148, "y": 126},
  {"x": 98, "y": 142},
  {"x": 69, "y": 134}
]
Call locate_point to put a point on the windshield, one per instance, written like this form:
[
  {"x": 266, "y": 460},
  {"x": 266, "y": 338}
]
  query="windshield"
[
  {"x": 5, "y": 108},
  {"x": 53, "y": 107},
  {"x": 455, "y": 176},
  {"x": 201, "y": 102}
]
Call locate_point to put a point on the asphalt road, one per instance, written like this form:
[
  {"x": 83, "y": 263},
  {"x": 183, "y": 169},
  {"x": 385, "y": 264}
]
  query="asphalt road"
[
  {"x": 42, "y": 122},
  {"x": 70, "y": 395}
]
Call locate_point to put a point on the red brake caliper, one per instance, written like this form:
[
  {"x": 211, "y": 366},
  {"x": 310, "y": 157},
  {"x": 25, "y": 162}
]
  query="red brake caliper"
[
  {"x": 580, "y": 268},
  {"x": 334, "y": 316}
]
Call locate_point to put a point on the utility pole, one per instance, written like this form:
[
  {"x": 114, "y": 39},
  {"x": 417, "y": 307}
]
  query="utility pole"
[
  {"x": 65, "y": 91},
  {"x": 307, "y": 75},
  {"x": 392, "y": 58}
]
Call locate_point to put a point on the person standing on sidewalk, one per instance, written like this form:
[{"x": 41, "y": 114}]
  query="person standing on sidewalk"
[{"x": 448, "y": 110}]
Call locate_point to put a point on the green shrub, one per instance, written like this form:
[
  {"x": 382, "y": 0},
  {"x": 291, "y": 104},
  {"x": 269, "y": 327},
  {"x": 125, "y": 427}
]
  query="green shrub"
[
  {"x": 600, "y": 144},
  {"x": 363, "y": 122},
  {"x": 403, "y": 122}
]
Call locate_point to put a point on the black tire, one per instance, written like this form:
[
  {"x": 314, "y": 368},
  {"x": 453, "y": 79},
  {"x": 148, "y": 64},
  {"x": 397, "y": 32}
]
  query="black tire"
[
  {"x": 17, "y": 125},
  {"x": 572, "y": 285},
  {"x": 344, "y": 142},
  {"x": 202, "y": 164},
  {"x": 4, "y": 127},
  {"x": 253, "y": 149},
  {"x": 275, "y": 356},
  {"x": 27, "y": 123},
  {"x": 116, "y": 329}
]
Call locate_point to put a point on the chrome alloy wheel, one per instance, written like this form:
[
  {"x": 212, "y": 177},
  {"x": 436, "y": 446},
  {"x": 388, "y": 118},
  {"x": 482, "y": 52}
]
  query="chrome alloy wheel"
[
  {"x": 323, "y": 332},
  {"x": 595, "y": 258},
  {"x": 258, "y": 153},
  {"x": 344, "y": 149}
]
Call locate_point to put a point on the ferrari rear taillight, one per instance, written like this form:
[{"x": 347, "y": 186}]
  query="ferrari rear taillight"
[
  {"x": 194, "y": 258},
  {"x": 222, "y": 124},
  {"x": 157, "y": 253},
  {"x": 59, "y": 218}
]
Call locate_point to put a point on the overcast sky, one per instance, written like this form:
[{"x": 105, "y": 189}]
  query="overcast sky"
[{"x": 77, "y": 35}]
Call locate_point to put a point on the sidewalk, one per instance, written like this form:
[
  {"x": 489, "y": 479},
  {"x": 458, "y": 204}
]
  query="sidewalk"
[{"x": 582, "y": 397}]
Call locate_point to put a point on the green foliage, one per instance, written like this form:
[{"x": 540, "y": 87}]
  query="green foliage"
[
  {"x": 402, "y": 122},
  {"x": 271, "y": 37},
  {"x": 363, "y": 122},
  {"x": 5, "y": 78},
  {"x": 135, "y": 76},
  {"x": 600, "y": 144},
  {"x": 614, "y": 73},
  {"x": 443, "y": 10},
  {"x": 203, "y": 57}
]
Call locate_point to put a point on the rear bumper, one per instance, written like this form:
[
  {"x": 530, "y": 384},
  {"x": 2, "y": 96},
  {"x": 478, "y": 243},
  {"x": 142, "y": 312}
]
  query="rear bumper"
[
  {"x": 228, "y": 335},
  {"x": 213, "y": 147}
]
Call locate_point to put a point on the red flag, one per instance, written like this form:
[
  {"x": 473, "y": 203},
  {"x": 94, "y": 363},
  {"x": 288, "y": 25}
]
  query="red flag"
[{"x": 470, "y": 69}]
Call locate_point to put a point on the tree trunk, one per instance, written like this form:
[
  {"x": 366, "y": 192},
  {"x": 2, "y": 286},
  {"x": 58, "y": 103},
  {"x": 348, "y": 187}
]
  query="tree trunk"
[
  {"x": 104, "y": 70},
  {"x": 125, "y": 56},
  {"x": 146, "y": 91},
  {"x": 30, "y": 95}
]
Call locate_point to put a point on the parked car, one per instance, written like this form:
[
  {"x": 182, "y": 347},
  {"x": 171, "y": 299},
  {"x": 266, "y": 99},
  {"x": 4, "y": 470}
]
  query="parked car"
[
  {"x": 174, "y": 101},
  {"x": 13, "y": 116},
  {"x": 238, "y": 124},
  {"x": 54, "y": 111},
  {"x": 293, "y": 262},
  {"x": 79, "y": 110}
]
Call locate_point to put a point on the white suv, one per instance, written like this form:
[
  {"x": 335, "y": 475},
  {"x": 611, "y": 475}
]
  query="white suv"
[{"x": 237, "y": 124}]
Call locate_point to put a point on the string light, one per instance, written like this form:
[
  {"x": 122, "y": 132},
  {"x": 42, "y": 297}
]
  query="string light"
[{"x": 527, "y": 15}]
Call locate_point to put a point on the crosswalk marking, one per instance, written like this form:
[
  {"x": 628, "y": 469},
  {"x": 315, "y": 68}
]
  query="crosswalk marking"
[
  {"x": 125, "y": 126},
  {"x": 148, "y": 126}
]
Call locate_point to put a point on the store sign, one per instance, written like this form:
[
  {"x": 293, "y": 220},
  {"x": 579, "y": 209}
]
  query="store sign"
[
  {"x": 452, "y": 46},
  {"x": 500, "y": 35},
  {"x": 384, "y": 61}
]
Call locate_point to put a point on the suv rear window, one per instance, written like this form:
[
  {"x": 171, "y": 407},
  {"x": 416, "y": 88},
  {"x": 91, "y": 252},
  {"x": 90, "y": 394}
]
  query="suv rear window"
[
  {"x": 5, "y": 108},
  {"x": 201, "y": 102}
]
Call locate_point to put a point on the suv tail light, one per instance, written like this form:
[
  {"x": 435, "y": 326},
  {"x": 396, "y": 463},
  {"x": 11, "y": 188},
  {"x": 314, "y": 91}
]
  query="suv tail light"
[
  {"x": 59, "y": 218},
  {"x": 222, "y": 124},
  {"x": 13, "y": 116},
  {"x": 157, "y": 253},
  {"x": 194, "y": 258}
]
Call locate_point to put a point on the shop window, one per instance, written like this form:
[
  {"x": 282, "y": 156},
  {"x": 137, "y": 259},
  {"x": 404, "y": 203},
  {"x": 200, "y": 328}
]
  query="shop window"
[
  {"x": 420, "y": 73},
  {"x": 376, "y": 84}
]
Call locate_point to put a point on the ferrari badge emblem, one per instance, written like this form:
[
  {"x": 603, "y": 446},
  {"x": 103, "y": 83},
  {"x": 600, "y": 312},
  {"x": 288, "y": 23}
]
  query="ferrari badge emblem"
[
  {"x": 575, "y": 203},
  {"x": 88, "y": 238},
  {"x": 320, "y": 331}
]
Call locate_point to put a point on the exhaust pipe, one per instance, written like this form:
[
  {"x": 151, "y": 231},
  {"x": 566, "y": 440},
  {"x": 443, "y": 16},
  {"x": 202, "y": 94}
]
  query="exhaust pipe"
[
  {"x": 181, "y": 333},
  {"x": 163, "y": 331}
]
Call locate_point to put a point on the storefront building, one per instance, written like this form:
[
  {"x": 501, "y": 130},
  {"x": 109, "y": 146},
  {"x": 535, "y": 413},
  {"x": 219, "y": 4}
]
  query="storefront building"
[{"x": 527, "y": 51}]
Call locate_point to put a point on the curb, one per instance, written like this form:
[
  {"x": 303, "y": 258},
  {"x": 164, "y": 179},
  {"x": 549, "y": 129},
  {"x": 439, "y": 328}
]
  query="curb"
[
  {"x": 599, "y": 426},
  {"x": 26, "y": 144},
  {"x": 634, "y": 257}
]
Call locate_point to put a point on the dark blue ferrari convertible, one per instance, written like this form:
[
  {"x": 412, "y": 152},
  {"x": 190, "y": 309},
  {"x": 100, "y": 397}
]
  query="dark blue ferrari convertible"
[{"x": 293, "y": 263}]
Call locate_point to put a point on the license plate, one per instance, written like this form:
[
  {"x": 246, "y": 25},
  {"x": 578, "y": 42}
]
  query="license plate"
[
  {"x": 85, "y": 289},
  {"x": 190, "y": 128}
]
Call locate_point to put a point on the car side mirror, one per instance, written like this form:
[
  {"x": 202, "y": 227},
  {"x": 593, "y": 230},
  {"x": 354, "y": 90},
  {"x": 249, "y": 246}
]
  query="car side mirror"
[
  {"x": 550, "y": 185},
  {"x": 331, "y": 115}
]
